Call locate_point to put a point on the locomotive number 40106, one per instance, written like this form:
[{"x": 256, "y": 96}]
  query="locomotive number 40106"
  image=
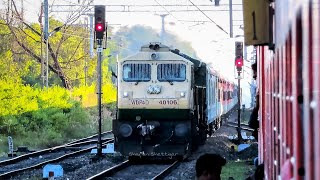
[
  {"x": 142, "y": 102},
  {"x": 169, "y": 102}
]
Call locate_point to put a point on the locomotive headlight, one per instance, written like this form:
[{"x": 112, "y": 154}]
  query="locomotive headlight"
[
  {"x": 182, "y": 94},
  {"x": 138, "y": 118},
  {"x": 181, "y": 130},
  {"x": 125, "y": 94},
  {"x": 154, "y": 56},
  {"x": 125, "y": 130}
]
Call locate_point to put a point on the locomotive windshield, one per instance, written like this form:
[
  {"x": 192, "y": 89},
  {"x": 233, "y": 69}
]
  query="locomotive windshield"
[
  {"x": 171, "y": 72},
  {"x": 136, "y": 72}
]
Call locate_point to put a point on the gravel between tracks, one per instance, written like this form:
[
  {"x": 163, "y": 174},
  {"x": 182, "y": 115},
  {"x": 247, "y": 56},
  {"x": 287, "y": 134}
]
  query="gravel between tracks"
[
  {"x": 139, "y": 172},
  {"x": 31, "y": 161},
  {"x": 80, "y": 167}
]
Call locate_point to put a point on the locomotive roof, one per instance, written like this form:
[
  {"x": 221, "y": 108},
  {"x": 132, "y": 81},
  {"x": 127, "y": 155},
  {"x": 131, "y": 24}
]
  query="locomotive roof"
[
  {"x": 160, "y": 51},
  {"x": 165, "y": 53},
  {"x": 158, "y": 47},
  {"x": 197, "y": 63}
]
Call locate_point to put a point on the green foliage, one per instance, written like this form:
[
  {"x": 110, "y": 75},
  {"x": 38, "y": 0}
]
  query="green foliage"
[
  {"x": 239, "y": 170},
  {"x": 52, "y": 114},
  {"x": 17, "y": 99},
  {"x": 88, "y": 96},
  {"x": 9, "y": 69},
  {"x": 70, "y": 46}
]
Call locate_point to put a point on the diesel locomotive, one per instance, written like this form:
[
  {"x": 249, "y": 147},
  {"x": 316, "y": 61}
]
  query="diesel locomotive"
[{"x": 167, "y": 102}]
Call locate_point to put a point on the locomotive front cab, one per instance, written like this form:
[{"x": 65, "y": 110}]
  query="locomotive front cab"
[{"x": 154, "y": 95}]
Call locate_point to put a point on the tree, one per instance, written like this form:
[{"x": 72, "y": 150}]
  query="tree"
[
  {"x": 66, "y": 48},
  {"x": 9, "y": 69}
]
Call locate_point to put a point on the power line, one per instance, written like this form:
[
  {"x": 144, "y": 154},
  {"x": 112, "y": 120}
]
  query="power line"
[
  {"x": 208, "y": 17},
  {"x": 146, "y": 11},
  {"x": 202, "y": 21},
  {"x": 166, "y": 10},
  {"x": 145, "y": 8},
  {"x": 141, "y": 5}
]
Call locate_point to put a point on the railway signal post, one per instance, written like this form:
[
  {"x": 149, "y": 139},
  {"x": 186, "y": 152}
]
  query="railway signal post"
[
  {"x": 100, "y": 28},
  {"x": 238, "y": 68}
]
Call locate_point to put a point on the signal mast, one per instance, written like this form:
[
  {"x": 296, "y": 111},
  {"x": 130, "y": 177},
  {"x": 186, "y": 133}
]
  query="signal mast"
[
  {"x": 239, "y": 75},
  {"x": 100, "y": 29}
]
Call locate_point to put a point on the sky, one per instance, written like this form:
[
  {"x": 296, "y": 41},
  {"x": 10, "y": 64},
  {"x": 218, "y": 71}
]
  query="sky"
[{"x": 211, "y": 44}]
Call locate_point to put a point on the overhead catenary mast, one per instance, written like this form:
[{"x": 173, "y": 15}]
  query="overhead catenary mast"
[{"x": 162, "y": 26}]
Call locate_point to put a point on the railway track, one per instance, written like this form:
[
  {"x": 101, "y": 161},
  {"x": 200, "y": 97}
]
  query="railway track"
[
  {"x": 54, "y": 160},
  {"x": 242, "y": 125},
  {"x": 37, "y": 159},
  {"x": 127, "y": 170},
  {"x": 80, "y": 142}
]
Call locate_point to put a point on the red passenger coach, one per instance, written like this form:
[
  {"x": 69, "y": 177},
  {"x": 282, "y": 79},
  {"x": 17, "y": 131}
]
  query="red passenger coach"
[{"x": 288, "y": 58}]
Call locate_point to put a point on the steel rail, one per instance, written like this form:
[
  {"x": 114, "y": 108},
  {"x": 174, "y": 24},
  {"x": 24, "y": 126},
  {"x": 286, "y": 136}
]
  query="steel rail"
[
  {"x": 12, "y": 173},
  {"x": 167, "y": 171},
  {"x": 89, "y": 137},
  {"x": 45, "y": 151},
  {"x": 235, "y": 123},
  {"x": 111, "y": 171},
  {"x": 243, "y": 128}
]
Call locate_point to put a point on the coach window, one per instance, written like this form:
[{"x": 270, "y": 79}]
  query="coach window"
[
  {"x": 136, "y": 72},
  {"x": 171, "y": 72}
]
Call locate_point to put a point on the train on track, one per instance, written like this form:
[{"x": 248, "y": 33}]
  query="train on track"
[{"x": 167, "y": 102}]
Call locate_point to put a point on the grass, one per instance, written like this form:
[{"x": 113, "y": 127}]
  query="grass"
[{"x": 239, "y": 170}]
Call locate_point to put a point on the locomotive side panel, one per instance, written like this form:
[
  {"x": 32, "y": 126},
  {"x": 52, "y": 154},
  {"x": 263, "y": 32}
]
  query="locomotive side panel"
[{"x": 212, "y": 113}]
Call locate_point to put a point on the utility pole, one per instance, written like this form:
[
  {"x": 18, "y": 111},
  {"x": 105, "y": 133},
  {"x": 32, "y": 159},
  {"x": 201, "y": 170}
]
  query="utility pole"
[
  {"x": 230, "y": 15},
  {"x": 46, "y": 38},
  {"x": 91, "y": 35},
  {"x": 162, "y": 26},
  {"x": 41, "y": 46},
  {"x": 22, "y": 11},
  {"x": 86, "y": 51}
]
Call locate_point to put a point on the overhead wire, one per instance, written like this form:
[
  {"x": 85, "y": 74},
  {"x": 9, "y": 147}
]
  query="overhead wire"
[
  {"x": 81, "y": 9},
  {"x": 208, "y": 17},
  {"x": 32, "y": 11},
  {"x": 166, "y": 10}
]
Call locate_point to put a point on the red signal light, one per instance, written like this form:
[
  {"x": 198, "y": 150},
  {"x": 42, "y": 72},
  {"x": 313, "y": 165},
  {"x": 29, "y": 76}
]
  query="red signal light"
[
  {"x": 239, "y": 62},
  {"x": 99, "y": 27}
]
